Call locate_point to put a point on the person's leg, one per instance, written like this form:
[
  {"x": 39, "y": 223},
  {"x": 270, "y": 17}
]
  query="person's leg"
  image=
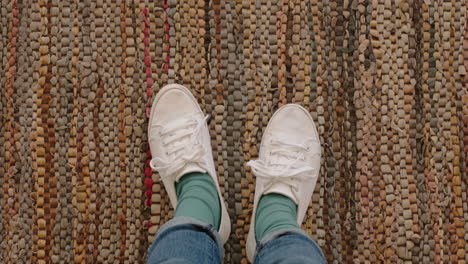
[
  {"x": 186, "y": 240},
  {"x": 279, "y": 237},
  {"x": 197, "y": 197},
  {"x": 181, "y": 148},
  {"x": 293, "y": 246},
  {"x": 274, "y": 212},
  {"x": 191, "y": 236},
  {"x": 286, "y": 172}
]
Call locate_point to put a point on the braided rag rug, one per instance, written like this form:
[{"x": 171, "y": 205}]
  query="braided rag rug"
[{"x": 384, "y": 80}]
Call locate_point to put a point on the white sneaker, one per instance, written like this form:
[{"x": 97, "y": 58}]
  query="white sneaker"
[
  {"x": 288, "y": 163},
  {"x": 180, "y": 143}
]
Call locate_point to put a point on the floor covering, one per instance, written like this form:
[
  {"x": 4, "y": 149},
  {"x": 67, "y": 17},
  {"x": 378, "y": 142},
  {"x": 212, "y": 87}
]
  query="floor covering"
[{"x": 385, "y": 82}]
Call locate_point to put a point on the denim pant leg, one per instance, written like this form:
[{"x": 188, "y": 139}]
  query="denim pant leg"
[
  {"x": 291, "y": 246},
  {"x": 185, "y": 240}
]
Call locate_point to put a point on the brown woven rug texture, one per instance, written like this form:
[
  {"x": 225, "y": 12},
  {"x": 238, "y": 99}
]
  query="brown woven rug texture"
[{"x": 385, "y": 82}]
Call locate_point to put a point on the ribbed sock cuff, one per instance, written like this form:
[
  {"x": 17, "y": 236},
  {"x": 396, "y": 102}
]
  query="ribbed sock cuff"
[
  {"x": 197, "y": 197},
  {"x": 274, "y": 212}
]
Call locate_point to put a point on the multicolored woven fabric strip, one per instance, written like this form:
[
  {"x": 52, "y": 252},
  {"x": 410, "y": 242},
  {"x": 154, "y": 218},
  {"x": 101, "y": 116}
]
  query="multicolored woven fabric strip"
[{"x": 384, "y": 80}]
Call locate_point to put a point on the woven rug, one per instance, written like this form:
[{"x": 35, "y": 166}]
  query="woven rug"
[{"x": 384, "y": 80}]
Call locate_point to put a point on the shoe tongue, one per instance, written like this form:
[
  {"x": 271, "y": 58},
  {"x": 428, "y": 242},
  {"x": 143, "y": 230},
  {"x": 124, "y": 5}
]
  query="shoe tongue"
[
  {"x": 189, "y": 168},
  {"x": 283, "y": 189},
  {"x": 279, "y": 187}
]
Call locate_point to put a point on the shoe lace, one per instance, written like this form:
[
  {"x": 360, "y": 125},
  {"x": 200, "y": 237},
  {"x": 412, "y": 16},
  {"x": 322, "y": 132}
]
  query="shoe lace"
[
  {"x": 290, "y": 172},
  {"x": 182, "y": 141}
]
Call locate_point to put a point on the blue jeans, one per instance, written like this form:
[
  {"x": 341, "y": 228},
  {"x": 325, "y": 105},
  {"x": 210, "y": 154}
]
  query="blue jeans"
[{"x": 186, "y": 240}]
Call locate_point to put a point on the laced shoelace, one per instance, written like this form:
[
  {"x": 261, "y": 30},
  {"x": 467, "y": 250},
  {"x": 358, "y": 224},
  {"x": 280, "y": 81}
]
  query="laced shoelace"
[
  {"x": 290, "y": 173},
  {"x": 181, "y": 139}
]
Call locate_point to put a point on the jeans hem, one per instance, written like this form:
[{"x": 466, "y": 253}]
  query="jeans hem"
[
  {"x": 275, "y": 234},
  {"x": 185, "y": 220}
]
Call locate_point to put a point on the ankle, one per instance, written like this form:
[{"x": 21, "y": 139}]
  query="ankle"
[
  {"x": 198, "y": 198},
  {"x": 274, "y": 212}
]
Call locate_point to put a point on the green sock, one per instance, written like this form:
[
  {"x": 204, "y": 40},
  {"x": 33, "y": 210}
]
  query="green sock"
[
  {"x": 274, "y": 212},
  {"x": 197, "y": 197}
]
